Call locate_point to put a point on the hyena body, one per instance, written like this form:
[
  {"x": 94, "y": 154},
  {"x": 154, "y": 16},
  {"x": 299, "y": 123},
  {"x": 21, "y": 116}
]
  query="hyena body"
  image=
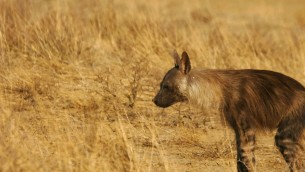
[{"x": 250, "y": 100}]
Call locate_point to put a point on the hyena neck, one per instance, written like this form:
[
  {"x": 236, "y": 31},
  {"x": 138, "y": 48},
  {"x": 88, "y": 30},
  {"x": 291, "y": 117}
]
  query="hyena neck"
[{"x": 204, "y": 88}]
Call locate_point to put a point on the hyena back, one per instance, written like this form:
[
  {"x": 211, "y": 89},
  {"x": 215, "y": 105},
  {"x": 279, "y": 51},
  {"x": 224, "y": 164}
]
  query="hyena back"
[{"x": 250, "y": 100}]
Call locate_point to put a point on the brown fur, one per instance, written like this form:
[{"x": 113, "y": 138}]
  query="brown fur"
[{"x": 250, "y": 100}]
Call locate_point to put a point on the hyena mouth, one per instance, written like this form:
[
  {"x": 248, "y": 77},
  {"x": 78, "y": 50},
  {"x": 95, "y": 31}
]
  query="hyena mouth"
[
  {"x": 164, "y": 105},
  {"x": 161, "y": 103},
  {"x": 168, "y": 102}
]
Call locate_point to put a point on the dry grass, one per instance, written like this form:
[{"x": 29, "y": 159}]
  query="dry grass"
[{"x": 77, "y": 79}]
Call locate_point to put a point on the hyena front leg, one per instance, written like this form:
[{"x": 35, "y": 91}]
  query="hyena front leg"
[{"x": 245, "y": 142}]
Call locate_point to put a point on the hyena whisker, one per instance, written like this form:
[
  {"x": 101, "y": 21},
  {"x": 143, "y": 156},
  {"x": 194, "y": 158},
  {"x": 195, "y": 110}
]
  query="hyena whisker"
[{"x": 249, "y": 100}]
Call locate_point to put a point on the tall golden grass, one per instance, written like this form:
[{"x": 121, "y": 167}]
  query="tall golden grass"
[{"x": 77, "y": 79}]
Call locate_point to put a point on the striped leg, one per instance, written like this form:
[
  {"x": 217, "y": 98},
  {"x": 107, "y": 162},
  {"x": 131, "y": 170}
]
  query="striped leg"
[
  {"x": 289, "y": 141},
  {"x": 245, "y": 142}
]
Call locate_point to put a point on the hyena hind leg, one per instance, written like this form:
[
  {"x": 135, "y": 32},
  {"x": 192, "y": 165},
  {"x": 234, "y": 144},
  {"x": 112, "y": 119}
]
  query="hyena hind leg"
[
  {"x": 245, "y": 142},
  {"x": 289, "y": 140}
]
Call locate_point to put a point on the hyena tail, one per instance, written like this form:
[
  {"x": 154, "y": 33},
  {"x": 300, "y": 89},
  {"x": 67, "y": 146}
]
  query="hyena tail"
[{"x": 290, "y": 139}]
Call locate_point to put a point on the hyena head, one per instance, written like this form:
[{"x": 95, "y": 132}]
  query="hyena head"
[{"x": 174, "y": 84}]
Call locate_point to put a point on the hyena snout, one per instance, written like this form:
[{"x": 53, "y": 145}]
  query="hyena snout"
[
  {"x": 155, "y": 100},
  {"x": 167, "y": 98},
  {"x": 162, "y": 102}
]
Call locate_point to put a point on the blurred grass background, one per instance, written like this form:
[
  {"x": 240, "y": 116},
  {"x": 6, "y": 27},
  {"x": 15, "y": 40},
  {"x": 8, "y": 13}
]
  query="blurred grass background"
[{"x": 77, "y": 78}]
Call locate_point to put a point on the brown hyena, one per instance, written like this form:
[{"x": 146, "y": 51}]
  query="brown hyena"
[{"x": 250, "y": 100}]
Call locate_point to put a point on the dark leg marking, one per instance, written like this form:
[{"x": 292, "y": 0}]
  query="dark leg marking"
[
  {"x": 289, "y": 142},
  {"x": 245, "y": 142}
]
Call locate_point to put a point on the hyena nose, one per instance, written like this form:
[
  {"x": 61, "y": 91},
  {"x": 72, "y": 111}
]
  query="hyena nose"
[{"x": 154, "y": 100}]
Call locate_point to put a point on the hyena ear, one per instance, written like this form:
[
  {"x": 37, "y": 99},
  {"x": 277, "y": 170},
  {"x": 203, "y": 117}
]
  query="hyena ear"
[
  {"x": 185, "y": 63},
  {"x": 176, "y": 57}
]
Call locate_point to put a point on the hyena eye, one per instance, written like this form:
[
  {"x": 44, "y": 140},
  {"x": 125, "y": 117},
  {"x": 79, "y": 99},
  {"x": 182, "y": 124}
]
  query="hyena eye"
[{"x": 166, "y": 87}]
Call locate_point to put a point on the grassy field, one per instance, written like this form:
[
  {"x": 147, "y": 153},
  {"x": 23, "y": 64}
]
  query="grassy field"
[{"x": 77, "y": 78}]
